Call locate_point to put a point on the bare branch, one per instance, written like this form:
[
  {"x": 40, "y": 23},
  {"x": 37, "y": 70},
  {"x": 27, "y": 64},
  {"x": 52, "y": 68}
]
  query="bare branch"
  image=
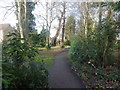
[{"x": 7, "y": 12}]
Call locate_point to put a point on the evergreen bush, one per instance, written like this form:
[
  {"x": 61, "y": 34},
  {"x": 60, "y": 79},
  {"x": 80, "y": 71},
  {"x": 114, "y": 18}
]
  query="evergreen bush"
[{"x": 20, "y": 69}]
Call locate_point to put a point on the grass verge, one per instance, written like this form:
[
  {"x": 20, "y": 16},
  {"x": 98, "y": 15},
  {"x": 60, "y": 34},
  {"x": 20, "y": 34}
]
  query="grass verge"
[{"x": 47, "y": 56}]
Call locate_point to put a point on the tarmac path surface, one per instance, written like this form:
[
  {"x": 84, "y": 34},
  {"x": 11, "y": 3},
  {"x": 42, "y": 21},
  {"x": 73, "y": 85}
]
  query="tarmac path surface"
[{"x": 61, "y": 75}]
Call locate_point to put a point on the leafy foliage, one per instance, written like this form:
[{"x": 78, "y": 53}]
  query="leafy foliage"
[
  {"x": 20, "y": 70},
  {"x": 83, "y": 50},
  {"x": 91, "y": 54},
  {"x": 48, "y": 47},
  {"x": 44, "y": 34},
  {"x": 62, "y": 46},
  {"x": 30, "y": 16},
  {"x": 97, "y": 77},
  {"x": 39, "y": 39},
  {"x": 70, "y": 27},
  {"x": 84, "y": 59},
  {"x": 67, "y": 42}
]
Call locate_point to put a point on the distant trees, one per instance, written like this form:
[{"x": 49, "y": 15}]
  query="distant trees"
[
  {"x": 70, "y": 27},
  {"x": 39, "y": 40},
  {"x": 48, "y": 16},
  {"x": 43, "y": 36}
]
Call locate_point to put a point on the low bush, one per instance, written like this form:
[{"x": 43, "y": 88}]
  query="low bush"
[
  {"x": 48, "y": 47},
  {"x": 83, "y": 51},
  {"x": 117, "y": 45},
  {"x": 67, "y": 42},
  {"x": 62, "y": 46}
]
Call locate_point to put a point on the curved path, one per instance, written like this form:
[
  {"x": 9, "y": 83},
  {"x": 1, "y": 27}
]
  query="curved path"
[{"x": 61, "y": 75}]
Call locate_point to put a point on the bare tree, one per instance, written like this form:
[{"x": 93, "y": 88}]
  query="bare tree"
[
  {"x": 86, "y": 19},
  {"x": 60, "y": 18},
  {"x": 48, "y": 17}
]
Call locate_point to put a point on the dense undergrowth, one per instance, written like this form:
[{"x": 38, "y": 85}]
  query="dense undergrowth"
[
  {"x": 94, "y": 51},
  {"x": 97, "y": 77},
  {"x": 84, "y": 55}
]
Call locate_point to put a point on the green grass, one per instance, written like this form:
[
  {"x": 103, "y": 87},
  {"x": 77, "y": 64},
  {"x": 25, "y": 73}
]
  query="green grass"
[
  {"x": 48, "y": 60},
  {"x": 54, "y": 48},
  {"x": 48, "y": 55}
]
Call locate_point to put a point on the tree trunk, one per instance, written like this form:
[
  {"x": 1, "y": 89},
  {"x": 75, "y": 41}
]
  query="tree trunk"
[
  {"x": 22, "y": 20},
  {"x": 109, "y": 41},
  {"x": 63, "y": 28},
  {"x": 58, "y": 30},
  {"x": 47, "y": 26}
]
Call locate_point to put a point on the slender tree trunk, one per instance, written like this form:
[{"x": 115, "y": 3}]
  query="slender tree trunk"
[
  {"x": 99, "y": 41},
  {"x": 109, "y": 42},
  {"x": 85, "y": 15},
  {"x": 47, "y": 26},
  {"x": 22, "y": 20},
  {"x": 63, "y": 29},
  {"x": 25, "y": 26},
  {"x": 86, "y": 18}
]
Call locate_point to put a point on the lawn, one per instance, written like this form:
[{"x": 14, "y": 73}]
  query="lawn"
[
  {"x": 48, "y": 55},
  {"x": 54, "y": 48}
]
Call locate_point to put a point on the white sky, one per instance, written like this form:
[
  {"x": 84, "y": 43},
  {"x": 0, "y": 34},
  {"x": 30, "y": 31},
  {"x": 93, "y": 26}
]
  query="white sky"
[
  {"x": 40, "y": 10},
  {"x": 8, "y": 17}
]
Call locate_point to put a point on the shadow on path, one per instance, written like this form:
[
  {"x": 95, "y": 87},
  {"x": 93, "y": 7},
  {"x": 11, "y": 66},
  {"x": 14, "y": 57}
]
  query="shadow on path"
[{"x": 61, "y": 75}]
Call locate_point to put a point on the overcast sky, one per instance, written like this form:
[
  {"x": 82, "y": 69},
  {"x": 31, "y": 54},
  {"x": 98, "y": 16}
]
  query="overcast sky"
[{"x": 7, "y": 12}]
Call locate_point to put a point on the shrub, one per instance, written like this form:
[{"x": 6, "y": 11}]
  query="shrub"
[
  {"x": 86, "y": 61},
  {"x": 39, "y": 40},
  {"x": 48, "y": 47},
  {"x": 67, "y": 42},
  {"x": 83, "y": 50},
  {"x": 20, "y": 70},
  {"x": 117, "y": 45},
  {"x": 75, "y": 50},
  {"x": 29, "y": 75},
  {"x": 62, "y": 46}
]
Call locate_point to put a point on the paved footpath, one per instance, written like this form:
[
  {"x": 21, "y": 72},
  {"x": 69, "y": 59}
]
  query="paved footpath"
[{"x": 61, "y": 75}]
